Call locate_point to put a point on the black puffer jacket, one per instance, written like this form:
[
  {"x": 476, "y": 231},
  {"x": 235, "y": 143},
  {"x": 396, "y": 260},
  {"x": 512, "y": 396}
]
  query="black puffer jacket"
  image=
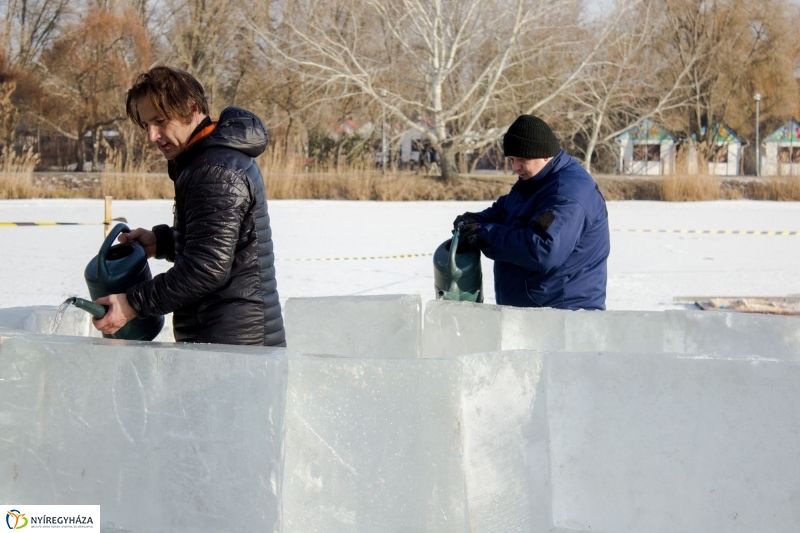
[{"x": 222, "y": 288}]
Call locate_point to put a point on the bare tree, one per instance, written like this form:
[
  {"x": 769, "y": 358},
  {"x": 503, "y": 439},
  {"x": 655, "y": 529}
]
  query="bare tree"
[
  {"x": 282, "y": 95},
  {"x": 206, "y": 38},
  {"x": 448, "y": 62},
  {"x": 629, "y": 81},
  {"x": 8, "y": 116},
  {"x": 30, "y": 26},
  {"x": 721, "y": 42},
  {"x": 88, "y": 70}
]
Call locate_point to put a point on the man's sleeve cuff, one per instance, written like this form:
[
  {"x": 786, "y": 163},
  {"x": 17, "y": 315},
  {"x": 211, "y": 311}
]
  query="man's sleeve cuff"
[
  {"x": 133, "y": 301},
  {"x": 165, "y": 245},
  {"x": 482, "y": 237}
]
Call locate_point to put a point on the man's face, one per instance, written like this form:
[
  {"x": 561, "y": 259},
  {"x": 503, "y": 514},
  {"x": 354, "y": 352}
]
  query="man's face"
[
  {"x": 527, "y": 168},
  {"x": 170, "y": 135}
]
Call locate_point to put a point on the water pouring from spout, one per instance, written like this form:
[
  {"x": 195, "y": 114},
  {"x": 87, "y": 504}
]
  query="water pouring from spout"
[{"x": 96, "y": 310}]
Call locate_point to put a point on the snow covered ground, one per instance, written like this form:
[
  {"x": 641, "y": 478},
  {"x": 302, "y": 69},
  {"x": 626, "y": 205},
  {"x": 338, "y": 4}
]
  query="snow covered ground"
[{"x": 44, "y": 265}]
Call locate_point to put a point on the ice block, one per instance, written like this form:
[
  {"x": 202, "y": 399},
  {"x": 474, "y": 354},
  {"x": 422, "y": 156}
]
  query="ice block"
[
  {"x": 373, "y": 446},
  {"x": 164, "y": 439},
  {"x": 506, "y": 442},
  {"x": 615, "y": 331},
  {"x": 665, "y": 442},
  {"x": 387, "y": 326},
  {"x": 457, "y": 328},
  {"x": 728, "y": 334}
]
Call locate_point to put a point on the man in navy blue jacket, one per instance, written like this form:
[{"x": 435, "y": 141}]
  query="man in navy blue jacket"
[{"x": 549, "y": 235}]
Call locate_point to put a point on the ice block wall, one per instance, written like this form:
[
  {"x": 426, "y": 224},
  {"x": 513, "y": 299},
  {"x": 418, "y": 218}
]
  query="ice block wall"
[
  {"x": 392, "y": 327},
  {"x": 514, "y": 420}
]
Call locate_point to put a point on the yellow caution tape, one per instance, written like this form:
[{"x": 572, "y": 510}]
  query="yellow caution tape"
[
  {"x": 20, "y": 224},
  {"x": 365, "y": 258},
  {"x": 711, "y": 231}
]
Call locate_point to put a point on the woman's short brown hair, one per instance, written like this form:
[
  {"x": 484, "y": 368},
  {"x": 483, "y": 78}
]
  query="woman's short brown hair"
[{"x": 175, "y": 93}]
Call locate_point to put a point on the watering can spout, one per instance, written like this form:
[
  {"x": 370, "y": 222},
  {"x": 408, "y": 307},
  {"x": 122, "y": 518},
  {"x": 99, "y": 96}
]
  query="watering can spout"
[{"x": 96, "y": 310}]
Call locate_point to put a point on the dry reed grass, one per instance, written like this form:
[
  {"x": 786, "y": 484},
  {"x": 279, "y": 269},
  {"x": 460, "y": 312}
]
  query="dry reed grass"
[
  {"x": 397, "y": 186},
  {"x": 16, "y": 175},
  {"x": 683, "y": 186},
  {"x": 690, "y": 188},
  {"x": 290, "y": 177},
  {"x": 375, "y": 186},
  {"x": 132, "y": 186},
  {"x": 778, "y": 188},
  {"x": 130, "y": 182}
]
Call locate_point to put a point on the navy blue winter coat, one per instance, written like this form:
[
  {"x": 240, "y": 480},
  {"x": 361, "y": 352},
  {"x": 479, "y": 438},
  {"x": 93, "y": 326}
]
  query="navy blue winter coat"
[{"x": 549, "y": 239}]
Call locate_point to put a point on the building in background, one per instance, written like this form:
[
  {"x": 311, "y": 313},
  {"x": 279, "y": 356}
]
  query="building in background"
[
  {"x": 782, "y": 151},
  {"x": 725, "y": 158},
  {"x": 412, "y": 143},
  {"x": 646, "y": 149}
]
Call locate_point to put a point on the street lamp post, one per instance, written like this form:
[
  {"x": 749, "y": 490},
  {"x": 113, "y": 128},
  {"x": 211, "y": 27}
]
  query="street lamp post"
[
  {"x": 383, "y": 132},
  {"x": 758, "y": 137}
]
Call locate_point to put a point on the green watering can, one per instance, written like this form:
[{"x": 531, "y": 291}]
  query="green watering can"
[
  {"x": 114, "y": 270},
  {"x": 457, "y": 275}
]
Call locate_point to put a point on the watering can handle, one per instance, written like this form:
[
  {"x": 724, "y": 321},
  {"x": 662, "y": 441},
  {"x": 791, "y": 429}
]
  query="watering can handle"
[
  {"x": 455, "y": 272},
  {"x": 102, "y": 270}
]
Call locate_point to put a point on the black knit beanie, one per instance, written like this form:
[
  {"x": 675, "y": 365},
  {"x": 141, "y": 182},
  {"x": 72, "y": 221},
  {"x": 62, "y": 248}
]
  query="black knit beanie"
[{"x": 530, "y": 137}]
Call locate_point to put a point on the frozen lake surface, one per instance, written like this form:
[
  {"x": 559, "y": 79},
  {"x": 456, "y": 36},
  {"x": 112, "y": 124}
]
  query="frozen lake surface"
[{"x": 44, "y": 265}]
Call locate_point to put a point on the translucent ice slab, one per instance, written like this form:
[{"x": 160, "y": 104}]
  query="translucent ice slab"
[
  {"x": 456, "y": 328},
  {"x": 535, "y": 329},
  {"x": 373, "y": 446},
  {"x": 163, "y": 438},
  {"x": 355, "y": 326},
  {"x": 664, "y": 443},
  {"x": 729, "y": 334},
  {"x": 583, "y": 331},
  {"x": 39, "y": 319},
  {"x": 614, "y": 331},
  {"x": 505, "y": 442}
]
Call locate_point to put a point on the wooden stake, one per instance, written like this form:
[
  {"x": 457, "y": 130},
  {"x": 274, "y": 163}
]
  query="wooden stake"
[{"x": 107, "y": 220}]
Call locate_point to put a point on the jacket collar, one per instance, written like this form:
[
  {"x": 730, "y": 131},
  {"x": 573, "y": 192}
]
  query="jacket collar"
[
  {"x": 175, "y": 166},
  {"x": 530, "y": 186}
]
